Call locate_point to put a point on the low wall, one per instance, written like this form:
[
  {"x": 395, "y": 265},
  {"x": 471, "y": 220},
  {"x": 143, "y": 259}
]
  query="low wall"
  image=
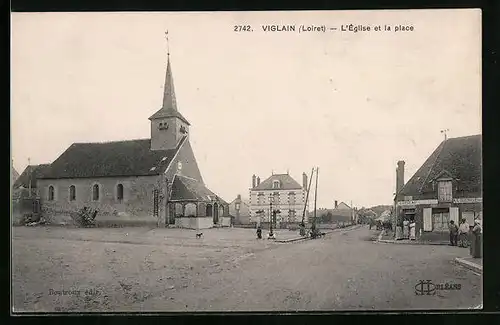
[
  {"x": 225, "y": 221},
  {"x": 194, "y": 222}
]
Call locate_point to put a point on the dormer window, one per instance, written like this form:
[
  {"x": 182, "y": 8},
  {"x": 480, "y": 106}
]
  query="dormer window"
[
  {"x": 276, "y": 184},
  {"x": 445, "y": 191}
]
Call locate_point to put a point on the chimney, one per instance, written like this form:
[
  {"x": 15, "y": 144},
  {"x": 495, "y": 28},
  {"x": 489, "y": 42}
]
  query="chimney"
[
  {"x": 400, "y": 176},
  {"x": 304, "y": 181},
  {"x": 253, "y": 180},
  {"x": 258, "y": 180},
  {"x": 239, "y": 197},
  {"x": 336, "y": 204}
]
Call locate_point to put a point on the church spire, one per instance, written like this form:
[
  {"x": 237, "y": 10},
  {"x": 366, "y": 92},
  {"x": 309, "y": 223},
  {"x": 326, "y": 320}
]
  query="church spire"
[
  {"x": 169, "y": 102},
  {"x": 169, "y": 106}
]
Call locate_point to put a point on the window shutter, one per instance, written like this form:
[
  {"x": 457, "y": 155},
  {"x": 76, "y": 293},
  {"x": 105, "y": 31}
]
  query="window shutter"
[
  {"x": 427, "y": 219},
  {"x": 454, "y": 214}
]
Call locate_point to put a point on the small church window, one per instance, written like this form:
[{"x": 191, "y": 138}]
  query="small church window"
[
  {"x": 95, "y": 192},
  {"x": 72, "y": 193},
  {"x": 51, "y": 193},
  {"x": 119, "y": 192},
  {"x": 276, "y": 184}
]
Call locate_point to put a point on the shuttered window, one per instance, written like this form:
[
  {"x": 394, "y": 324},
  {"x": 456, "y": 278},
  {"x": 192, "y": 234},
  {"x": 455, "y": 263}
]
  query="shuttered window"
[{"x": 427, "y": 219}]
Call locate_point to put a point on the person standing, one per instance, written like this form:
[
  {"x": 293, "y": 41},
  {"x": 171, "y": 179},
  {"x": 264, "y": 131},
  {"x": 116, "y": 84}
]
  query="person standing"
[
  {"x": 463, "y": 233},
  {"x": 453, "y": 233},
  {"x": 259, "y": 232},
  {"x": 412, "y": 230},
  {"x": 406, "y": 229}
]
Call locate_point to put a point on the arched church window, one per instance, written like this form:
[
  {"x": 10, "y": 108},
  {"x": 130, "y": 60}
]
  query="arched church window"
[
  {"x": 209, "y": 210},
  {"x": 179, "y": 210},
  {"x": 190, "y": 210},
  {"x": 119, "y": 192},
  {"x": 51, "y": 193},
  {"x": 72, "y": 193},
  {"x": 95, "y": 192}
]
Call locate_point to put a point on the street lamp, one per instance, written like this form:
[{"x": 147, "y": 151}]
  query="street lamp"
[{"x": 272, "y": 214}]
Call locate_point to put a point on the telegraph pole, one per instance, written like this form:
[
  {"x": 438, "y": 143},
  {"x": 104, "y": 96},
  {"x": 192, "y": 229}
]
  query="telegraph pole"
[
  {"x": 316, "y": 193},
  {"x": 29, "y": 177}
]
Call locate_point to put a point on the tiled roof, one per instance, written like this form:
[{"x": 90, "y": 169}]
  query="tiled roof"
[
  {"x": 189, "y": 189},
  {"x": 460, "y": 158},
  {"x": 14, "y": 175},
  {"x": 164, "y": 113},
  {"x": 119, "y": 158},
  {"x": 286, "y": 183},
  {"x": 32, "y": 171}
]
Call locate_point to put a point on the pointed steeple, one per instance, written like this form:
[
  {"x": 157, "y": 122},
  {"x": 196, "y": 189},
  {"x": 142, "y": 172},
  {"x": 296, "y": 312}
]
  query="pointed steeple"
[
  {"x": 168, "y": 90},
  {"x": 169, "y": 106}
]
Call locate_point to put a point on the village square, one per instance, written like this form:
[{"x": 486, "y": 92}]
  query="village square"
[{"x": 132, "y": 225}]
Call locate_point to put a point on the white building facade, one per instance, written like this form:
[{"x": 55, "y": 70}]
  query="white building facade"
[{"x": 278, "y": 192}]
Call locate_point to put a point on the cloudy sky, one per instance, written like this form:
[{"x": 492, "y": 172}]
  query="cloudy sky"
[{"x": 352, "y": 104}]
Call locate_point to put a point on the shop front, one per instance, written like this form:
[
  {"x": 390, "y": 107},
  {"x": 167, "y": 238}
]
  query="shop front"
[{"x": 431, "y": 216}]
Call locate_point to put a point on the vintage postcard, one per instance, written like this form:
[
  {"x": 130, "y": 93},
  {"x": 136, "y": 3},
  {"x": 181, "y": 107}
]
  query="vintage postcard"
[{"x": 246, "y": 161}]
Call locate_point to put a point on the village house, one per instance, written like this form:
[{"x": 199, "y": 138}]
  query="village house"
[
  {"x": 29, "y": 179},
  {"x": 284, "y": 193},
  {"x": 239, "y": 210},
  {"x": 14, "y": 174},
  {"x": 448, "y": 186},
  {"x": 152, "y": 180}
]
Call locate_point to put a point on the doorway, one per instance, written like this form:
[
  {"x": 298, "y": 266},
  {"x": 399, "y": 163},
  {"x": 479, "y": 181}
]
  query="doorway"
[
  {"x": 440, "y": 219},
  {"x": 216, "y": 213}
]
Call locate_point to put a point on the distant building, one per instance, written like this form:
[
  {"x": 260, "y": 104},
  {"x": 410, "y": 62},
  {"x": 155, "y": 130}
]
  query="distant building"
[
  {"x": 285, "y": 193},
  {"x": 446, "y": 187},
  {"x": 239, "y": 210},
  {"x": 341, "y": 213},
  {"x": 14, "y": 174},
  {"x": 29, "y": 178}
]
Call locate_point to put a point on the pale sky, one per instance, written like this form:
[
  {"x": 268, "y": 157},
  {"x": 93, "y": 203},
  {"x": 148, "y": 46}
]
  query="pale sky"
[{"x": 352, "y": 104}]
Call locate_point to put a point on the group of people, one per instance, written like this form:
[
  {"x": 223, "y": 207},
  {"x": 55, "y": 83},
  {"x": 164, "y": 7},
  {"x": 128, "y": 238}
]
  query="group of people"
[
  {"x": 270, "y": 235},
  {"x": 409, "y": 229},
  {"x": 459, "y": 234}
]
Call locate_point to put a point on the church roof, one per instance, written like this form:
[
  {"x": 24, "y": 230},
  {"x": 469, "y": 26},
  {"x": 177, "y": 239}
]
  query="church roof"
[
  {"x": 32, "y": 172},
  {"x": 169, "y": 107},
  {"x": 459, "y": 158},
  {"x": 108, "y": 159},
  {"x": 189, "y": 189},
  {"x": 14, "y": 175},
  {"x": 286, "y": 183}
]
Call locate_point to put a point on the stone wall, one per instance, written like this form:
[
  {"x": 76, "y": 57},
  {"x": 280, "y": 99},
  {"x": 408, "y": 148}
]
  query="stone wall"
[
  {"x": 137, "y": 200},
  {"x": 194, "y": 223}
]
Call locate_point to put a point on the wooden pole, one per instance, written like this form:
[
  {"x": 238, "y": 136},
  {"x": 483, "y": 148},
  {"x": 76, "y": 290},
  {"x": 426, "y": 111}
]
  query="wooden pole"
[
  {"x": 307, "y": 196},
  {"x": 29, "y": 177},
  {"x": 316, "y": 193}
]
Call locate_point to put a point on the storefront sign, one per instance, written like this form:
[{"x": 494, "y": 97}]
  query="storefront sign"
[
  {"x": 416, "y": 202},
  {"x": 468, "y": 200}
]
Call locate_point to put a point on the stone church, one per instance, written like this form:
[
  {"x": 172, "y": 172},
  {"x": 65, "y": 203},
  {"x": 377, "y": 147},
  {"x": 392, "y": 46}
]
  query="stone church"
[{"x": 154, "y": 180}]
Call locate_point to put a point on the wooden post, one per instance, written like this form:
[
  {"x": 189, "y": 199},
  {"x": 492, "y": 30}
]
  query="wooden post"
[{"x": 307, "y": 196}]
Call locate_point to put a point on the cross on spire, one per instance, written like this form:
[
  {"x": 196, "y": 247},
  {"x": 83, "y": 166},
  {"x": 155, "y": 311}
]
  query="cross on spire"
[
  {"x": 168, "y": 48},
  {"x": 444, "y": 132}
]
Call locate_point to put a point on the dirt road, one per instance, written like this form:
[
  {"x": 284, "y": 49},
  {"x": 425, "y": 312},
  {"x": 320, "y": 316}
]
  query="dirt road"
[{"x": 344, "y": 271}]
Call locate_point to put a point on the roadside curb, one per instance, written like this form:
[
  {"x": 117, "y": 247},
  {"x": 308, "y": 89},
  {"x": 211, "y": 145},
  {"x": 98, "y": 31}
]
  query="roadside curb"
[
  {"x": 415, "y": 243},
  {"x": 411, "y": 242},
  {"x": 470, "y": 265},
  {"x": 309, "y": 238}
]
